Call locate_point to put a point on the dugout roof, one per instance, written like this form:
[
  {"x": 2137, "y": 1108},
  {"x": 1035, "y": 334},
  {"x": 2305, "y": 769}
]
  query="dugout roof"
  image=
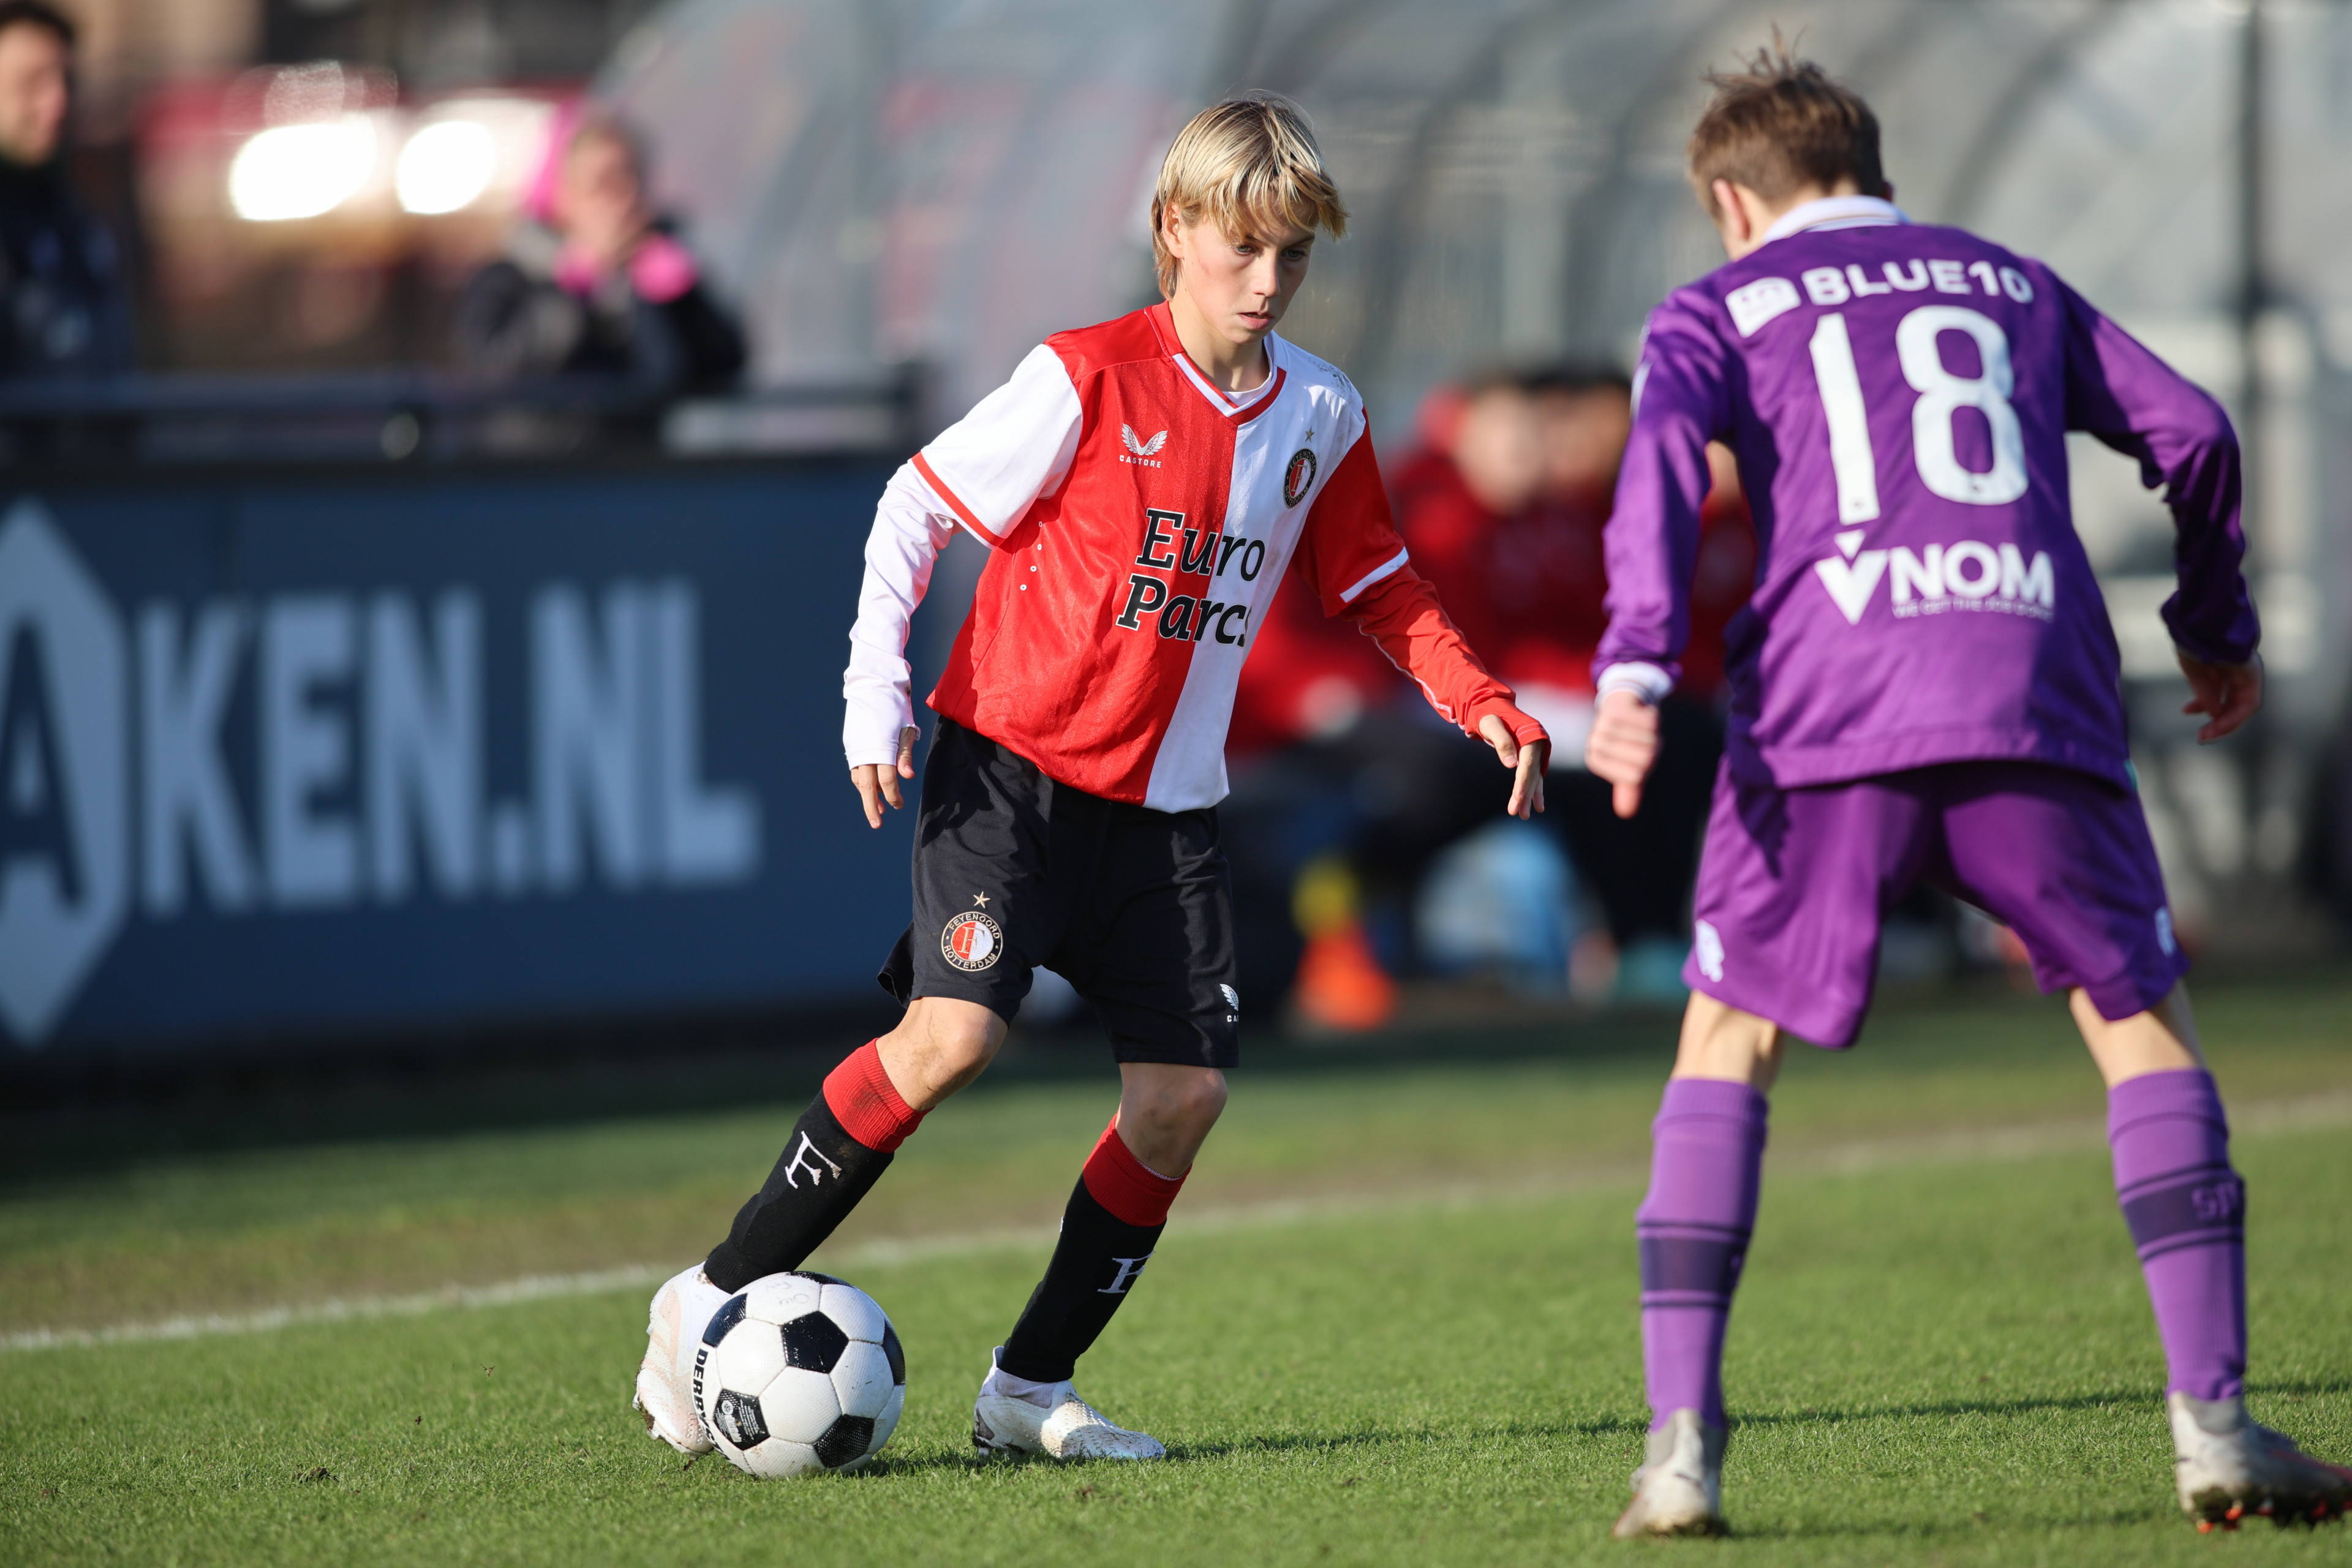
[{"x": 946, "y": 181}]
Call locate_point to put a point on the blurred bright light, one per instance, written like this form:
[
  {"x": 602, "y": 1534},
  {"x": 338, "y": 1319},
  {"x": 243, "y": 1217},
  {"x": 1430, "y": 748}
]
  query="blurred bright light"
[
  {"x": 301, "y": 171},
  {"x": 445, "y": 166}
]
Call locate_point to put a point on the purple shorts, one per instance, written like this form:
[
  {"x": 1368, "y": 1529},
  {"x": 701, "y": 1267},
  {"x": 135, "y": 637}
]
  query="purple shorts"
[{"x": 1792, "y": 885}]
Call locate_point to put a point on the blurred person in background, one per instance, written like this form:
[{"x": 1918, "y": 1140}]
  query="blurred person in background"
[
  {"x": 595, "y": 282},
  {"x": 64, "y": 309},
  {"x": 1353, "y": 793},
  {"x": 1350, "y": 800},
  {"x": 1641, "y": 869},
  {"x": 1508, "y": 522},
  {"x": 1317, "y": 712}
]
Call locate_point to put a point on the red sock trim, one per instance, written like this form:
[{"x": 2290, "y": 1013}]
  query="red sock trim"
[
  {"x": 866, "y": 1102},
  {"x": 1131, "y": 1190}
]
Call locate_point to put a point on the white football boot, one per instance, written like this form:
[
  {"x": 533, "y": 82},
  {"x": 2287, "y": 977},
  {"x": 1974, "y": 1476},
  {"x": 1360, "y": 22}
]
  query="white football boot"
[
  {"x": 1012, "y": 1416},
  {"x": 1679, "y": 1490},
  {"x": 2226, "y": 1467},
  {"x": 681, "y": 1310}
]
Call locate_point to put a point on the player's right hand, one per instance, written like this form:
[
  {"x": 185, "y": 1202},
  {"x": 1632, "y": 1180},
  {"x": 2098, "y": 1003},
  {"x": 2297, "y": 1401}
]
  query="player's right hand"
[
  {"x": 877, "y": 784},
  {"x": 2227, "y": 694},
  {"x": 1621, "y": 747}
]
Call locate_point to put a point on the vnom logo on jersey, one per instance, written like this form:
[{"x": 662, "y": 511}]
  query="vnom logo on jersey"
[
  {"x": 1299, "y": 476},
  {"x": 1139, "y": 451},
  {"x": 1967, "y": 575},
  {"x": 1200, "y": 553},
  {"x": 368, "y": 760}
]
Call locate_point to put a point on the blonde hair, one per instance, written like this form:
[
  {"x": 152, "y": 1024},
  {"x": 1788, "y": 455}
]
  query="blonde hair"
[{"x": 1252, "y": 164}]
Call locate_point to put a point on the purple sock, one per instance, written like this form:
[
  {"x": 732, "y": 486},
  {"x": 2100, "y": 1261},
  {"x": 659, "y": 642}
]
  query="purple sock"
[
  {"x": 2187, "y": 1210},
  {"x": 1707, "y": 1155}
]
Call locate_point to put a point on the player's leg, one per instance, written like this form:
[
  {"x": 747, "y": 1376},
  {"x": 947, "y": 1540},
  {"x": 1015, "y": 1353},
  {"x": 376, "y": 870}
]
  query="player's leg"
[
  {"x": 842, "y": 1142},
  {"x": 1791, "y": 888},
  {"x": 979, "y": 860},
  {"x": 1109, "y": 1230},
  {"x": 837, "y": 1150},
  {"x": 1705, "y": 1167},
  {"x": 2185, "y": 1205},
  {"x": 2067, "y": 861},
  {"x": 1154, "y": 953},
  {"x": 1115, "y": 1216}
]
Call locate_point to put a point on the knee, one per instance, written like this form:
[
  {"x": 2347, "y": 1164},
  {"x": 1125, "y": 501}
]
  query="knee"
[
  {"x": 1724, "y": 1042},
  {"x": 1201, "y": 1101},
  {"x": 1188, "y": 1104},
  {"x": 943, "y": 1044}
]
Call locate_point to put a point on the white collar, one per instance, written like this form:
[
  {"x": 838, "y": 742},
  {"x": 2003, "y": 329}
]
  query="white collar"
[
  {"x": 1835, "y": 212},
  {"x": 1235, "y": 403}
]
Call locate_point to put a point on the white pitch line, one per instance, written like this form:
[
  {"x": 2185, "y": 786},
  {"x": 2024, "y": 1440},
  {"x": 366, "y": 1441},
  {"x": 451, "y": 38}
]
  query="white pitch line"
[
  {"x": 1960, "y": 1145},
  {"x": 532, "y": 1288}
]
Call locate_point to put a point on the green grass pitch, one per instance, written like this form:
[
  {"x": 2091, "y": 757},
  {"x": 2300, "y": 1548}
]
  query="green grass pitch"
[{"x": 1393, "y": 1321}]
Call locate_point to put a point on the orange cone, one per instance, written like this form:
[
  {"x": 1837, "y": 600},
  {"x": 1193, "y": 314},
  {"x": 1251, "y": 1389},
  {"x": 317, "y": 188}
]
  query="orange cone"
[{"x": 1340, "y": 985}]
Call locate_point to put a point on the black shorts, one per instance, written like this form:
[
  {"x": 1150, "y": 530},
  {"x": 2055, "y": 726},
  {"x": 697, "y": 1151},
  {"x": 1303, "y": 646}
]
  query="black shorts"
[{"x": 1133, "y": 907}]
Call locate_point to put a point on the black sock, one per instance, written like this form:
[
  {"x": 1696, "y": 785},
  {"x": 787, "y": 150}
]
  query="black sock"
[
  {"x": 823, "y": 1173},
  {"x": 1098, "y": 1257}
]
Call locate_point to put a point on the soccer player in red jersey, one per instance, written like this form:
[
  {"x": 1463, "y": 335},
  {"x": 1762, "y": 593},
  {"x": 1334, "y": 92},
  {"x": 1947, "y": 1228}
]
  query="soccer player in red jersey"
[{"x": 1142, "y": 485}]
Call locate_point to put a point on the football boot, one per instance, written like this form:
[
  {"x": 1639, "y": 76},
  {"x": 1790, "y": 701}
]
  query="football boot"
[
  {"x": 1679, "y": 1490},
  {"x": 2227, "y": 1465},
  {"x": 681, "y": 1310},
  {"x": 1063, "y": 1426}
]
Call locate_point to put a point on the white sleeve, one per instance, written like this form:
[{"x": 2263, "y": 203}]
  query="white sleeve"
[
  {"x": 1015, "y": 445},
  {"x": 912, "y": 526}
]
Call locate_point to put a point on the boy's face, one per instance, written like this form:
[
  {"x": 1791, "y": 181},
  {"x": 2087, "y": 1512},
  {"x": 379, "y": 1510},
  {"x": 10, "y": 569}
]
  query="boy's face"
[
  {"x": 1240, "y": 286},
  {"x": 34, "y": 76},
  {"x": 599, "y": 199},
  {"x": 1584, "y": 437},
  {"x": 1499, "y": 449}
]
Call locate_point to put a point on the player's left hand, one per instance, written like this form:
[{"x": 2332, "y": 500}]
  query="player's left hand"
[
  {"x": 1531, "y": 760},
  {"x": 2227, "y": 694}
]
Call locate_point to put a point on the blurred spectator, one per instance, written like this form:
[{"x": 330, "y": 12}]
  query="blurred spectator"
[
  {"x": 1641, "y": 869},
  {"x": 1505, "y": 518},
  {"x": 1503, "y": 507},
  {"x": 1369, "y": 791},
  {"x": 1510, "y": 532},
  {"x": 594, "y": 282},
  {"x": 64, "y": 309}
]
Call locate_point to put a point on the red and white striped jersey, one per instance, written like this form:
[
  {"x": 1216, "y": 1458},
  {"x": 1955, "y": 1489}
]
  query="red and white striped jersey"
[{"x": 1142, "y": 518}]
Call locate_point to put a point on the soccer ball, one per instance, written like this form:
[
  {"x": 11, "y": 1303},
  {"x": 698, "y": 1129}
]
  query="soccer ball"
[{"x": 800, "y": 1373}]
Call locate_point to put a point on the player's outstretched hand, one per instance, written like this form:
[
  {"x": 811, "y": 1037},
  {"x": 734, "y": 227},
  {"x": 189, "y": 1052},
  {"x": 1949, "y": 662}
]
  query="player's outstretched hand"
[
  {"x": 1527, "y": 761},
  {"x": 2227, "y": 694},
  {"x": 877, "y": 784},
  {"x": 1621, "y": 746}
]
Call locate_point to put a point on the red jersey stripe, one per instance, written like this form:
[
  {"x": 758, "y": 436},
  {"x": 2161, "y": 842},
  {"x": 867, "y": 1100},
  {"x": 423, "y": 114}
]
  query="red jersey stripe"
[{"x": 945, "y": 492}]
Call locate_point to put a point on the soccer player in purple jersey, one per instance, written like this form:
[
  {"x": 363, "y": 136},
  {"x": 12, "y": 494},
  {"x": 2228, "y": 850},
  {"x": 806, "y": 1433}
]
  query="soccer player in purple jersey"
[{"x": 1924, "y": 688}]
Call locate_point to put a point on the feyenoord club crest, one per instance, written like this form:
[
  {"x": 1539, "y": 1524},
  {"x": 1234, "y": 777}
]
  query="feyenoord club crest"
[
  {"x": 972, "y": 940},
  {"x": 1299, "y": 476}
]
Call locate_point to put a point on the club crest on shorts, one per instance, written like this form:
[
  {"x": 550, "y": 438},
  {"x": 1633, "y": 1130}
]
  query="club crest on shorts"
[
  {"x": 972, "y": 940},
  {"x": 1299, "y": 476}
]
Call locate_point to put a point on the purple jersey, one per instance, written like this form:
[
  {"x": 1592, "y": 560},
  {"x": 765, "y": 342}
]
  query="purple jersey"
[{"x": 1898, "y": 396}]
